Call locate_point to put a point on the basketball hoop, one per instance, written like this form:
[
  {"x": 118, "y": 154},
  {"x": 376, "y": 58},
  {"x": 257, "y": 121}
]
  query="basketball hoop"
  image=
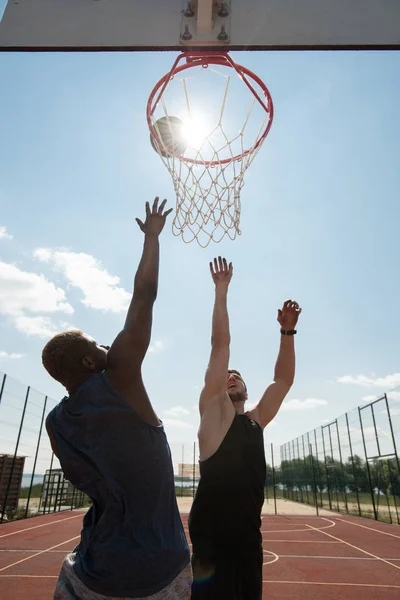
[{"x": 207, "y": 158}]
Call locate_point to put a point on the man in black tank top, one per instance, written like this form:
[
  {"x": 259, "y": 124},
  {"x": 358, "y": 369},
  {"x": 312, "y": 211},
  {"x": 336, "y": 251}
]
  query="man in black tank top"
[{"x": 225, "y": 519}]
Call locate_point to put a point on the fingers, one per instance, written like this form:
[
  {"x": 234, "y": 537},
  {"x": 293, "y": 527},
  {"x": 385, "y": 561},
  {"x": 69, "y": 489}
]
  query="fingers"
[
  {"x": 221, "y": 265},
  {"x": 163, "y": 203},
  {"x": 168, "y": 212},
  {"x": 291, "y": 305},
  {"x": 147, "y": 209},
  {"x": 140, "y": 223},
  {"x": 155, "y": 206}
]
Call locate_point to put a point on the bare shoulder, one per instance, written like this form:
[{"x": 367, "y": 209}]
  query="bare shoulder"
[{"x": 216, "y": 420}]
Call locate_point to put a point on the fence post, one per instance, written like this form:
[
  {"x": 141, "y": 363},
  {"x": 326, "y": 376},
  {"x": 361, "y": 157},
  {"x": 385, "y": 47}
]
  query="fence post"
[
  {"x": 319, "y": 472},
  {"x": 304, "y": 463},
  {"x": 194, "y": 469},
  {"x": 2, "y": 386},
  {"x": 368, "y": 469},
  {"x": 392, "y": 433},
  {"x": 314, "y": 482},
  {"x": 326, "y": 469},
  {"x": 36, "y": 455},
  {"x": 352, "y": 464},
  {"x": 342, "y": 467},
  {"x": 300, "y": 470},
  {"x": 15, "y": 454},
  {"x": 273, "y": 476}
]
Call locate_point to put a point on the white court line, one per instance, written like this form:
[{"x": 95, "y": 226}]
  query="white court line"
[
  {"x": 335, "y": 557},
  {"x": 356, "y": 547},
  {"x": 32, "y": 550},
  {"x": 333, "y": 524},
  {"x": 38, "y": 526},
  {"x": 300, "y": 541},
  {"x": 371, "y": 528},
  {"x": 33, "y": 576},
  {"x": 37, "y": 554},
  {"x": 369, "y": 585}
]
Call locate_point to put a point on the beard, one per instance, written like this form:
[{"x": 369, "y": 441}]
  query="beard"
[{"x": 237, "y": 396}]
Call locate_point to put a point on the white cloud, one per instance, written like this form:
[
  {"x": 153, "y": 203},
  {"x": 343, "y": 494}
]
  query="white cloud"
[
  {"x": 24, "y": 292},
  {"x": 43, "y": 327},
  {"x": 394, "y": 396},
  {"x": 99, "y": 288},
  {"x": 368, "y": 398},
  {"x": 156, "y": 347},
  {"x": 177, "y": 411},
  {"x": 12, "y": 356},
  {"x": 388, "y": 382},
  {"x": 300, "y": 405},
  {"x": 4, "y": 235},
  {"x": 177, "y": 423}
]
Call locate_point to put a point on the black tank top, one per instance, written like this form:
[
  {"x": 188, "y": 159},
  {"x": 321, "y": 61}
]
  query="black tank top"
[{"x": 226, "y": 512}]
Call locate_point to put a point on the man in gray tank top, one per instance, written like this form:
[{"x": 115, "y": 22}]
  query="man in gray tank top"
[
  {"x": 112, "y": 446},
  {"x": 225, "y": 519}
]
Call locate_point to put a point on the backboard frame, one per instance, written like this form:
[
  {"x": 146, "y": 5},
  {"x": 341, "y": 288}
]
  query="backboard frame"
[{"x": 258, "y": 25}]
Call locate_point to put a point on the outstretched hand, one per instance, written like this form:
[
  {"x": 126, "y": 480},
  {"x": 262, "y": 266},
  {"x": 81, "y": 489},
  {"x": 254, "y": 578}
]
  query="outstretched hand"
[
  {"x": 155, "y": 218},
  {"x": 221, "y": 272},
  {"x": 288, "y": 315}
]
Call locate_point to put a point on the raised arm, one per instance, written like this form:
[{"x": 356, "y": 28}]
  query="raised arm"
[
  {"x": 217, "y": 372},
  {"x": 276, "y": 392},
  {"x": 127, "y": 353}
]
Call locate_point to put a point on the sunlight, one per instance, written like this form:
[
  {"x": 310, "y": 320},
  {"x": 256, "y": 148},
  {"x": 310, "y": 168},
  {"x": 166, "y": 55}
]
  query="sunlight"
[{"x": 194, "y": 132}]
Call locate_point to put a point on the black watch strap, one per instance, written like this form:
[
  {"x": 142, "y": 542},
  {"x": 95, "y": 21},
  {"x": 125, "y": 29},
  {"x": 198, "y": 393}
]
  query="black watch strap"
[{"x": 288, "y": 332}]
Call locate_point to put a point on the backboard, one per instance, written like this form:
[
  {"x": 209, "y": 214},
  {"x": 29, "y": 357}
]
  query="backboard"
[{"x": 107, "y": 25}]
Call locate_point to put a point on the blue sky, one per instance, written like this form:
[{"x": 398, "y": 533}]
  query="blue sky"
[{"x": 320, "y": 216}]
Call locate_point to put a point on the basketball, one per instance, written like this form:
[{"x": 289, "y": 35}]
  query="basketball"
[{"x": 171, "y": 133}]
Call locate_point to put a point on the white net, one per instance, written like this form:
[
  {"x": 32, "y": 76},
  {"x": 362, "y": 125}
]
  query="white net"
[{"x": 223, "y": 127}]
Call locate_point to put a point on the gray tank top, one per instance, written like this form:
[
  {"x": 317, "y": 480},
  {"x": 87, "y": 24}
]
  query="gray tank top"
[{"x": 132, "y": 541}]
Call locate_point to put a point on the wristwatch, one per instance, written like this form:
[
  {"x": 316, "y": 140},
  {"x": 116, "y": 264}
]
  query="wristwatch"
[{"x": 288, "y": 332}]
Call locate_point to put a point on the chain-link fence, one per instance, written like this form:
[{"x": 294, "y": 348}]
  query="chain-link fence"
[
  {"x": 351, "y": 464},
  {"x": 31, "y": 479}
]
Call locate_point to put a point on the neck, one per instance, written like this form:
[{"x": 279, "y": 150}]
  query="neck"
[
  {"x": 74, "y": 385},
  {"x": 239, "y": 407}
]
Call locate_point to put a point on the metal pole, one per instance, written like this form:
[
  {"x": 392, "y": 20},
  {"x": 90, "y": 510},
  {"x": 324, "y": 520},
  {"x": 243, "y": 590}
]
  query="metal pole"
[
  {"x": 15, "y": 455},
  {"x": 341, "y": 464},
  {"x": 368, "y": 469},
  {"x": 319, "y": 472},
  {"x": 353, "y": 467},
  {"x": 392, "y": 433},
  {"x": 2, "y": 386},
  {"x": 294, "y": 471},
  {"x": 393, "y": 495},
  {"x": 326, "y": 469},
  {"x": 194, "y": 469},
  {"x": 49, "y": 480},
  {"x": 300, "y": 469},
  {"x": 273, "y": 476},
  {"x": 183, "y": 467},
  {"x": 36, "y": 455},
  {"x": 333, "y": 467},
  {"x": 305, "y": 469},
  {"x": 314, "y": 482}
]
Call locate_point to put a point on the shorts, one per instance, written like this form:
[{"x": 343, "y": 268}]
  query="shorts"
[
  {"x": 226, "y": 578},
  {"x": 70, "y": 587}
]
